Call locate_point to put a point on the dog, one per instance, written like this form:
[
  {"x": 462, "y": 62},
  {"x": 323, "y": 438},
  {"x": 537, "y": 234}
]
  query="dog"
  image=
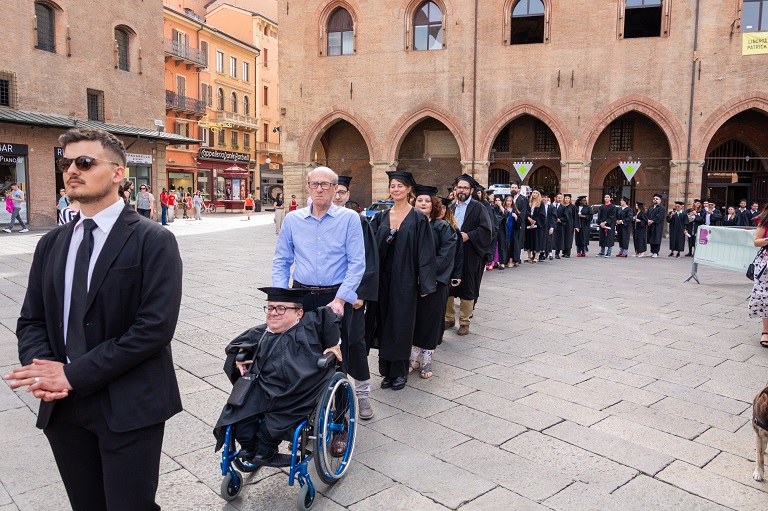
[{"x": 760, "y": 425}]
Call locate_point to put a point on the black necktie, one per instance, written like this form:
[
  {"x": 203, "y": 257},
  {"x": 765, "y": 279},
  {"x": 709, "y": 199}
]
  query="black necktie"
[{"x": 76, "y": 346}]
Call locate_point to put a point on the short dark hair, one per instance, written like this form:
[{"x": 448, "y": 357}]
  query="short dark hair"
[{"x": 108, "y": 140}]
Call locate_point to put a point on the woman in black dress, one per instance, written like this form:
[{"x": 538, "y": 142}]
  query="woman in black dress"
[
  {"x": 431, "y": 308},
  {"x": 640, "y": 234},
  {"x": 407, "y": 271},
  {"x": 535, "y": 227}
]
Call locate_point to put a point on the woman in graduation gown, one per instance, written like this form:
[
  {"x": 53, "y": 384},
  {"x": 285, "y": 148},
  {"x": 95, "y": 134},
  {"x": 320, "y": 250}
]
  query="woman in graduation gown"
[
  {"x": 406, "y": 272},
  {"x": 458, "y": 260},
  {"x": 623, "y": 226},
  {"x": 431, "y": 308},
  {"x": 535, "y": 227},
  {"x": 511, "y": 225},
  {"x": 640, "y": 233},
  {"x": 583, "y": 218}
]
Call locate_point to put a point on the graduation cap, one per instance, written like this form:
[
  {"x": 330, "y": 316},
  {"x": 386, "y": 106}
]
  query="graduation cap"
[
  {"x": 581, "y": 197},
  {"x": 281, "y": 294},
  {"x": 344, "y": 181},
  {"x": 696, "y": 200},
  {"x": 446, "y": 201},
  {"x": 639, "y": 202},
  {"x": 680, "y": 202},
  {"x": 567, "y": 195},
  {"x": 403, "y": 176},
  {"x": 469, "y": 179},
  {"x": 450, "y": 190},
  {"x": 657, "y": 195},
  {"x": 425, "y": 190}
]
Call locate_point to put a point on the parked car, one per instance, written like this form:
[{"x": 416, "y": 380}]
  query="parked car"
[{"x": 379, "y": 205}]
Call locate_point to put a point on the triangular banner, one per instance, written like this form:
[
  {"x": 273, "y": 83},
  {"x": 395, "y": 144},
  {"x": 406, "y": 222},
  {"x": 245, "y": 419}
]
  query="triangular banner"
[
  {"x": 629, "y": 168},
  {"x": 522, "y": 168}
]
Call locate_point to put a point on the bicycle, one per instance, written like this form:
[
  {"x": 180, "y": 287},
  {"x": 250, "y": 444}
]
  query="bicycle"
[{"x": 208, "y": 206}]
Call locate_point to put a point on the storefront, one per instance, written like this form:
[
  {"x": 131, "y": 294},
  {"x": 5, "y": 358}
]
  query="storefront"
[
  {"x": 271, "y": 182},
  {"x": 13, "y": 169},
  {"x": 224, "y": 177},
  {"x": 138, "y": 170}
]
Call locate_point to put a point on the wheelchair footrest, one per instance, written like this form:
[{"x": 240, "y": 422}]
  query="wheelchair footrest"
[{"x": 280, "y": 460}]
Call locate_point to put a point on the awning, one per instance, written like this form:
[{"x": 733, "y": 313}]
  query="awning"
[{"x": 8, "y": 115}]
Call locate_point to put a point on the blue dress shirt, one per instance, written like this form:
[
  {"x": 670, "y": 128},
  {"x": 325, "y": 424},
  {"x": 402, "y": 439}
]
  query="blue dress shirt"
[
  {"x": 461, "y": 210},
  {"x": 324, "y": 252}
]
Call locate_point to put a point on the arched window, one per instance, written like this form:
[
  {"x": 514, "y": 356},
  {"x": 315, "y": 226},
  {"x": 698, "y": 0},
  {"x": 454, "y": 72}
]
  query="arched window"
[
  {"x": 341, "y": 35},
  {"x": 754, "y": 16},
  {"x": 642, "y": 18},
  {"x": 220, "y": 99},
  {"x": 233, "y": 99},
  {"x": 45, "y": 19},
  {"x": 121, "y": 41},
  {"x": 527, "y": 26},
  {"x": 428, "y": 27},
  {"x": 246, "y": 105}
]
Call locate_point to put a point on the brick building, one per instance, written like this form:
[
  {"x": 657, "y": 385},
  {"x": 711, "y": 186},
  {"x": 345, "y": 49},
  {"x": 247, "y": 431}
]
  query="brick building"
[
  {"x": 73, "y": 63},
  {"x": 442, "y": 87}
]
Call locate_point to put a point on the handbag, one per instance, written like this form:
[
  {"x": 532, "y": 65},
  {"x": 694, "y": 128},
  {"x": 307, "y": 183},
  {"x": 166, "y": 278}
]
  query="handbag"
[
  {"x": 751, "y": 268},
  {"x": 241, "y": 389},
  {"x": 9, "y": 205}
]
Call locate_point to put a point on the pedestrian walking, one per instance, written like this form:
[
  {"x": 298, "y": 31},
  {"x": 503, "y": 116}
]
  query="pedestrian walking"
[
  {"x": 61, "y": 205},
  {"x": 16, "y": 196},
  {"x": 144, "y": 202},
  {"x": 279, "y": 212},
  {"x": 248, "y": 206},
  {"x": 164, "y": 207},
  {"x": 197, "y": 202}
]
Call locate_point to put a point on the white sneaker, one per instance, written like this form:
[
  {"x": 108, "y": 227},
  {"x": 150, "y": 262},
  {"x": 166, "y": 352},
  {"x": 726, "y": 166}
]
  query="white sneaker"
[
  {"x": 7, "y": 230},
  {"x": 24, "y": 230},
  {"x": 655, "y": 255}
]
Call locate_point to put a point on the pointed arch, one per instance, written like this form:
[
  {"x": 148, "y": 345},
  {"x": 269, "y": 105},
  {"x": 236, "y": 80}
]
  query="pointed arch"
[
  {"x": 406, "y": 122},
  {"x": 751, "y": 100},
  {"x": 328, "y": 120}
]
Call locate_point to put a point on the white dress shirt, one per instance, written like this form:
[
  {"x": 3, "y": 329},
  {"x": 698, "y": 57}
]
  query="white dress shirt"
[{"x": 104, "y": 219}]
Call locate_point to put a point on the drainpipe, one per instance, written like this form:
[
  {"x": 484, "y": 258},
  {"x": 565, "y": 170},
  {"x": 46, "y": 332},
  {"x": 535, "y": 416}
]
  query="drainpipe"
[
  {"x": 690, "y": 106},
  {"x": 474, "y": 92}
]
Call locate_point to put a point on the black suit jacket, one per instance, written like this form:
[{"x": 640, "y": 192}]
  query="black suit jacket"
[{"x": 131, "y": 313}]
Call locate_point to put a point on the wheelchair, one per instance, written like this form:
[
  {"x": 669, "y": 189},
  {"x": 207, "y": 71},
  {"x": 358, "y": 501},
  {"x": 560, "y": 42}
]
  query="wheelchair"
[{"x": 335, "y": 412}]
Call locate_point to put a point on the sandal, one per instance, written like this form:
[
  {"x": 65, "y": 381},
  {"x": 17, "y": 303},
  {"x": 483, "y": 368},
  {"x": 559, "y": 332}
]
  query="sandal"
[
  {"x": 426, "y": 372},
  {"x": 764, "y": 342},
  {"x": 415, "y": 365}
]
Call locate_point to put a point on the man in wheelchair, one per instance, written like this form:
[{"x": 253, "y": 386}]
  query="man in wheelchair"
[{"x": 276, "y": 376}]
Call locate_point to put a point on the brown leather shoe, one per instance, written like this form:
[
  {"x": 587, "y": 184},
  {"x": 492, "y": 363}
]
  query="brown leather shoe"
[
  {"x": 450, "y": 324},
  {"x": 463, "y": 330},
  {"x": 339, "y": 444}
]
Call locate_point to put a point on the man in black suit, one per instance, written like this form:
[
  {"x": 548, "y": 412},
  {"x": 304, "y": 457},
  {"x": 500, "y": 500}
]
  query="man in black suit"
[
  {"x": 518, "y": 237},
  {"x": 95, "y": 332}
]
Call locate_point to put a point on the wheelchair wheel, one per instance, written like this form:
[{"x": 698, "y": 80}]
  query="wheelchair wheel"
[
  {"x": 231, "y": 486},
  {"x": 306, "y": 498},
  {"x": 336, "y": 414}
]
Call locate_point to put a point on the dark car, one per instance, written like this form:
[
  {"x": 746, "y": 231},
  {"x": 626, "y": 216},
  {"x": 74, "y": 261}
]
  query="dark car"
[{"x": 379, "y": 205}]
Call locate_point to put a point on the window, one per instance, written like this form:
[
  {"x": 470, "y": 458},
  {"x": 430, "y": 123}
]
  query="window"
[
  {"x": 220, "y": 99},
  {"x": 181, "y": 85},
  {"x": 221, "y": 140},
  {"x": 266, "y": 96},
  {"x": 204, "y": 137},
  {"x": 233, "y": 101},
  {"x": 543, "y": 139},
  {"x": 266, "y": 132},
  {"x": 247, "y": 140},
  {"x": 219, "y": 62},
  {"x": 246, "y": 72},
  {"x": 341, "y": 38},
  {"x": 642, "y": 18},
  {"x": 7, "y": 89},
  {"x": 210, "y": 96},
  {"x": 95, "y": 100},
  {"x": 233, "y": 67},
  {"x": 234, "y": 139},
  {"x": 45, "y": 18},
  {"x": 527, "y": 26},
  {"x": 621, "y": 134},
  {"x": 204, "y": 93},
  {"x": 204, "y": 52},
  {"x": 182, "y": 128},
  {"x": 121, "y": 42},
  {"x": 265, "y": 57},
  {"x": 428, "y": 27},
  {"x": 501, "y": 144},
  {"x": 754, "y": 16},
  {"x": 246, "y": 105}
]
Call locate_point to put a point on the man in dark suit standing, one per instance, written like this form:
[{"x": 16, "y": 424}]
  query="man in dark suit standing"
[
  {"x": 475, "y": 226},
  {"x": 518, "y": 237},
  {"x": 95, "y": 332}
]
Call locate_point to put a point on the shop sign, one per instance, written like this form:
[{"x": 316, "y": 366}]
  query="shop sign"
[
  {"x": 754, "y": 43},
  {"x": 11, "y": 160},
  {"x": 206, "y": 153},
  {"x": 145, "y": 159},
  {"x": 19, "y": 149}
]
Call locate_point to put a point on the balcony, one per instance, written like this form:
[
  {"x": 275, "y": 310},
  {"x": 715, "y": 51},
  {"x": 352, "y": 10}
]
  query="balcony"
[
  {"x": 184, "y": 104},
  {"x": 268, "y": 147},
  {"x": 182, "y": 53},
  {"x": 242, "y": 121}
]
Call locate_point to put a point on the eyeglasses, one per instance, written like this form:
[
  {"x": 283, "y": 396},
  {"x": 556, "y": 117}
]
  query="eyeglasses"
[
  {"x": 392, "y": 236},
  {"x": 83, "y": 163},
  {"x": 463, "y": 187},
  {"x": 324, "y": 185},
  {"x": 342, "y": 192},
  {"x": 278, "y": 309}
]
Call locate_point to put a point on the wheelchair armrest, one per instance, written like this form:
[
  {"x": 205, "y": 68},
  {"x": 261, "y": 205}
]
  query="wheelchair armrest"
[{"x": 325, "y": 361}]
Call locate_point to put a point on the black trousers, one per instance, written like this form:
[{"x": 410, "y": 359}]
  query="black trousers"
[
  {"x": 104, "y": 469},
  {"x": 518, "y": 237},
  {"x": 655, "y": 247}
]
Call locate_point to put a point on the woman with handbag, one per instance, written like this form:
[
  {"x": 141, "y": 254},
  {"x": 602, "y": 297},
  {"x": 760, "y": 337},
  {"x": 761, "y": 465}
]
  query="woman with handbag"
[{"x": 758, "y": 299}]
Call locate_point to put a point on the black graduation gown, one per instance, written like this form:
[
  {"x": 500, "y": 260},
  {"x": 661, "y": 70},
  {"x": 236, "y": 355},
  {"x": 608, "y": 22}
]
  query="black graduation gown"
[
  {"x": 623, "y": 228},
  {"x": 535, "y": 236},
  {"x": 583, "y": 219},
  {"x": 676, "y": 221},
  {"x": 518, "y": 240},
  {"x": 503, "y": 243},
  {"x": 731, "y": 222},
  {"x": 493, "y": 214},
  {"x": 608, "y": 233},
  {"x": 744, "y": 218},
  {"x": 640, "y": 232},
  {"x": 559, "y": 226},
  {"x": 289, "y": 381},
  {"x": 656, "y": 229},
  {"x": 430, "y": 310},
  {"x": 549, "y": 239},
  {"x": 407, "y": 269},
  {"x": 568, "y": 221},
  {"x": 477, "y": 225},
  {"x": 458, "y": 260}
]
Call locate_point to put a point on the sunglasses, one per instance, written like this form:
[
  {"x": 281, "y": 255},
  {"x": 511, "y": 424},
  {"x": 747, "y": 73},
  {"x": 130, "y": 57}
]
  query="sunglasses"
[{"x": 83, "y": 163}]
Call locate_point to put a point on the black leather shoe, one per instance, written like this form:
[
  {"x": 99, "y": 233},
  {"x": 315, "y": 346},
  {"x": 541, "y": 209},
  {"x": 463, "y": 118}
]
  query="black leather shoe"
[
  {"x": 265, "y": 454},
  {"x": 386, "y": 383},
  {"x": 398, "y": 382}
]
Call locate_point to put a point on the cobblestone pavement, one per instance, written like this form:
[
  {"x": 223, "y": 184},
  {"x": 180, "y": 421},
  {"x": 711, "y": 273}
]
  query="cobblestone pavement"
[{"x": 584, "y": 384}]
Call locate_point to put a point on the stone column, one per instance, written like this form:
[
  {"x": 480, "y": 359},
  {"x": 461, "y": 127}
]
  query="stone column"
[
  {"x": 479, "y": 171},
  {"x": 574, "y": 177},
  {"x": 294, "y": 182},
  {"x": 677, "y": 180},
  {"x": 380, "y": 180}
]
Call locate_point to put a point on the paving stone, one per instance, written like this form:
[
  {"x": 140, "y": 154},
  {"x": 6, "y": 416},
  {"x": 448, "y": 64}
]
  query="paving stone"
[
  {"x": 185, "y": 433},
  {"x": 731, "y": 390},
  {"x": 360, "y": 482},
  {"x": 636, "y": 456},
  {"x": 571, "y": 363},
  {"x": 421, "y": 434},
  {"x": 9, "y": 507},
  {"x": 4, "y": 497},
  {"x": 414, "y": 401},
  {"x": 206, "y": 405},
  {"x": 578, "y": 395},
  {"x": 446, "y": 483},
  {"x": 179, "y": 490},
  {"x": 21, "y": 476},
  {"x": 52, "y": 496},
  {"x": 669, "y": 423},
  {"x": 614, "y": 347},
  {"x": 736, "y": 469},
  {"x": 17, "y": 424},
  {"x": 189, "y": 383},
  {"x": 689, "y": 375},
  {"x": 684, "y": 355},
  {"x": 570, "y": 460},
  {"x": 724, "y": 352},
  {"x": 205, "y": 465},
  {"x": 501, "y": 499},
  {"x": 713, "y": 487},
  {"x": 524, "y": 477},
  {"x": 380, "y": 410},
  {"x": 8, "y": 398},
  {"x": 584, "y": 497},
  {"x": 623, "y": 377},
  {"x": 509, "y": 410},
  {"x": 496, "y": 357},
  {"x": 696, "y": 396},
  {"x": 439, "y": 386},
  {"x": 552, "y": 372},
  {"x": 479, "y": 425},
  {"x": 397, "y": 498},
  {"x": 644, "y": 493},
  {"x": 503, "y": 373},
  {"x": 368, "y": 438},
  {"x": 621, "y": 391},
  {"x": 459, "y": 360},
  {"x": 567, "y": 410},
  {"x": 646, "y": 436},
  {"x": 700, "y": 413},
  {"x": 602, "y": 358},
  {"x": 656, "y": 359},
  {"x": 734, "y": 443},
  {"x": 496, "y": 387}
]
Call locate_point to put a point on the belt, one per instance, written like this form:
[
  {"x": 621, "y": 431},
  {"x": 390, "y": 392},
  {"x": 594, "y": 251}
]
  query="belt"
[{"x": 317, "y": 290}]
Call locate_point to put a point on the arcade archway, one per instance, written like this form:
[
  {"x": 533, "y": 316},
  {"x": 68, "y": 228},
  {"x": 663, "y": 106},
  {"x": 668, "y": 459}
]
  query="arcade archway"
[
  {"x": 526, "y": 138},
  {"x": 430, "y": 151}
]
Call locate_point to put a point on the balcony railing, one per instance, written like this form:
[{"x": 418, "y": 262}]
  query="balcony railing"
[
  {"x": 181, "y": 103},
  {"x": 186, "y": 53},
  {"x": 271, "y": 147},
  {"x": 239, "y": 119}
]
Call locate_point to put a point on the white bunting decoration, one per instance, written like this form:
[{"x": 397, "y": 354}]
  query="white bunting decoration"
[{"x": 629, "y": 168}]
